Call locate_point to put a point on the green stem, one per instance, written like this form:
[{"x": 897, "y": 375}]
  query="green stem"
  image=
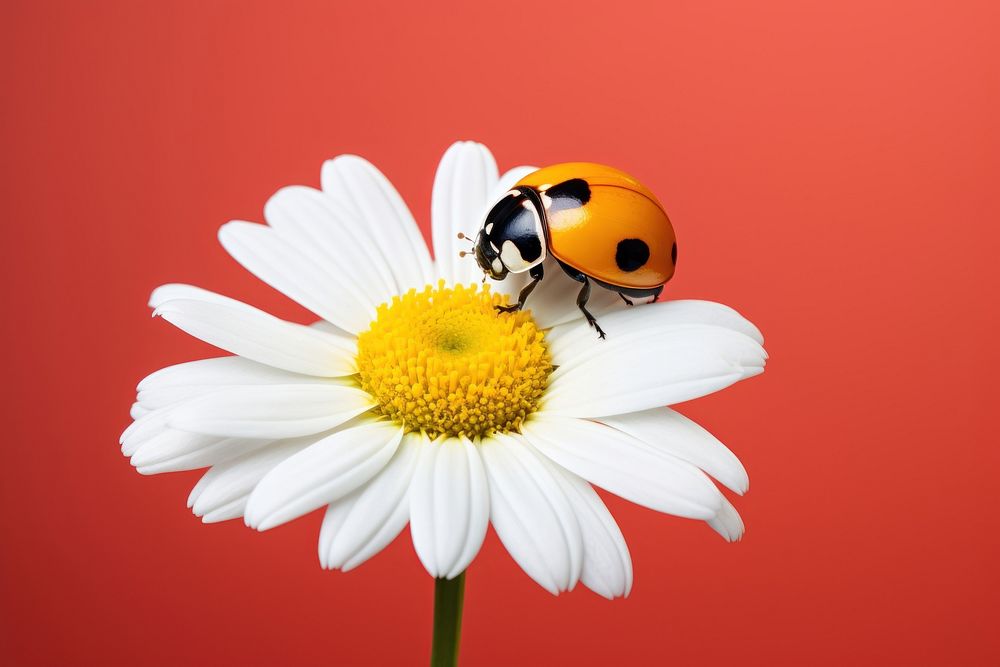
[{"x": 448, "y": 595}]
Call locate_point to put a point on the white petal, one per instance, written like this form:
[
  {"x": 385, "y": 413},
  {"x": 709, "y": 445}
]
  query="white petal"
[
  {"x": 361, "y": 524},
  {"x": 321, "y": 473},
  {"x": 532, "y": 515},
  {"x": 572, "y": 339},
  {"x": 255, "y": 335},
  {"x": 154, "y": 422},
  {"x": 462, "y": 186},
  {"x": 607, "y": 565},
  {"x": 172, "y": 451},
  {"x": 272, "y": 411},
  {"x": 553, "y": 301},
  {"x": 195, "y": 378},
  {"x": 167, "y": 443},
  {"x": 672, "y": 432},
  {"x": 215, "y": 371},
  {"x": 323, "y": 325},
  {"x": 333, "y": 236},
  {"x": 449, "y": 506},
  {"x": 648, "y": 366},
  {"x": 329, "y": 291},
  {"x": 144, "y": 428},
  {"x": 222, "y": 492},
  {"x": 625, "y": 466},
  {"x": 728, "y": 523},
  {"x": 381, "y": 211},
  {"x": 229, "y": 511},
  {"x": 172, "y": 291},
  {"x": 197, "y": 489}
]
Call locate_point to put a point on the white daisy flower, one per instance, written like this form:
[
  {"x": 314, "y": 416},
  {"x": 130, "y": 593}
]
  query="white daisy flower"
[{"x": 413, "y": 402}]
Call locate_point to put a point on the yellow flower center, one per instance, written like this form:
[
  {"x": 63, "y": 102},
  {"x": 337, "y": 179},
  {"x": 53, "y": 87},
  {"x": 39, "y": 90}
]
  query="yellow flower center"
[{"x": 446, "y": 362}]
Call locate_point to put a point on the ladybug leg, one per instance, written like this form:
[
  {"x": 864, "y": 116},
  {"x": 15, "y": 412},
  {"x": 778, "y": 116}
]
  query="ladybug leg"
[
  {"x": 584, "y": 296},
  {"x": 521, "y": 298},
  {"x": 536, "y": 273},
  {"x": 628, "y": 301},
  {"x": 581, "y": 301}
]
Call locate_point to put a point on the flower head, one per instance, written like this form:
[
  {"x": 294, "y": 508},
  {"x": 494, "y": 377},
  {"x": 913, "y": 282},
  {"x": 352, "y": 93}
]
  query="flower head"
[
  {"x": 443, "y": 362},
  {"x": 414, "y": 401}
]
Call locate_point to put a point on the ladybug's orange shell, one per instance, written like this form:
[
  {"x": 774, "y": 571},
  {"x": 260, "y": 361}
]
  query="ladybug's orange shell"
[{"x": 620, "y": 207}]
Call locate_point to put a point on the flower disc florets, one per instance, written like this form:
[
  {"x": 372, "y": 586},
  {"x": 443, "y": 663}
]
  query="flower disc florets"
[{"x": 445, "y": 361}]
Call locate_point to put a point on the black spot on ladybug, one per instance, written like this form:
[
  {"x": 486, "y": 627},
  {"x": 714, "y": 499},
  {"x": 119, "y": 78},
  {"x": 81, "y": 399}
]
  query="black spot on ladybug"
[
  {"x": 573, "y": 193},
  {"x": 530, "y": 247},
  {"x": 673, "y": 253},
  {"x": 631, "y": 254}
]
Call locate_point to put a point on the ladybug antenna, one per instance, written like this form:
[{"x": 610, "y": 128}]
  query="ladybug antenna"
[{"x": 463, "y": 237}]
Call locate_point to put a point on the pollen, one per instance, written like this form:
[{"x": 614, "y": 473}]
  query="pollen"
[{"x": 444, "y": 361}]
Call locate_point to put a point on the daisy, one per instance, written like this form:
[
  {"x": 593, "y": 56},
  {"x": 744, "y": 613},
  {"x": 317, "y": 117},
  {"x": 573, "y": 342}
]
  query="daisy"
[{"x": 413, "y": 402}]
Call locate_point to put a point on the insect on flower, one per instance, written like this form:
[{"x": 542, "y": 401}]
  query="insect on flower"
[{"x": 599, "y": 223}]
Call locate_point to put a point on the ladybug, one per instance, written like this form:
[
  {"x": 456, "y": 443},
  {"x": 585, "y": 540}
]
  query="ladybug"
[{"x": 600, "y": 224}]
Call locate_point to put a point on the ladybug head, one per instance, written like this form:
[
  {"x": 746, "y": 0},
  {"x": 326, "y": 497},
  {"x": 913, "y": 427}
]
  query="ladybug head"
[
  {"x": 512, "y": 239},
  {"x": 488, "y": 257}
]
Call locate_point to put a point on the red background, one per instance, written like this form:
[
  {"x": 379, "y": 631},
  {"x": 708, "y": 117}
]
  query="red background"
[{"x": 831, "y": 169}]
